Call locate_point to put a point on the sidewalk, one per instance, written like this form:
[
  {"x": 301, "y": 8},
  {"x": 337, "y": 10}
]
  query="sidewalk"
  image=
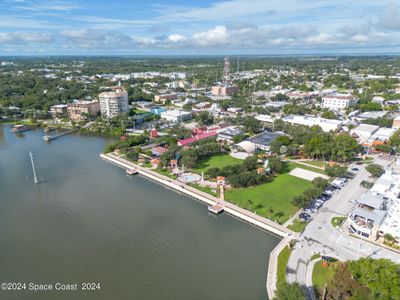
[{"x": 230, "y": 208}]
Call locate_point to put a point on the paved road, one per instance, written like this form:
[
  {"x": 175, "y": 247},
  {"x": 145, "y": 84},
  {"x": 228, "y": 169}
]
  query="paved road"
[{"x": 320, "y": 236}]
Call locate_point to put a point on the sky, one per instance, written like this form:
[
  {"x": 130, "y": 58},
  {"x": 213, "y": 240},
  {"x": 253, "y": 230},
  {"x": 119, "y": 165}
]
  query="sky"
[{"x": 198, "y": 27}]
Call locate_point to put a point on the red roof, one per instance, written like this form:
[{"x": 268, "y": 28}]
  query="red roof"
[
  {"x": 196, "y": 138},
  {"x": 154, "y": 133}
]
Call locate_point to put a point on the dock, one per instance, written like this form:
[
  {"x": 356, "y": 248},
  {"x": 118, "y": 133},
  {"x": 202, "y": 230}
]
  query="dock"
[
  {"x": 48, "y": 138},
  {"x": 132, "y": 171},
  {"x": 216, "y": 208}
]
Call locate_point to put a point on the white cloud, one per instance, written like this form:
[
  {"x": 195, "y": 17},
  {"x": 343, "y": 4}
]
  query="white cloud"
[
  {"x": 215, "y": 36},
  {"x": 176, "y": 38},
  {"x": 24, "y": 37}
]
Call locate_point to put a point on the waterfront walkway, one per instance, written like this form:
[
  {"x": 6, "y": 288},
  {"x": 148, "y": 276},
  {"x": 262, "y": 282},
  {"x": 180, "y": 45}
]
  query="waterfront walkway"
[{"x": 230, "y": 208}]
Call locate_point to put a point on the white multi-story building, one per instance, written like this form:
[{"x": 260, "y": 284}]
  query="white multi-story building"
[
  {"x": 378, "y": 211},
  {"x": 176, "y": 116},
  {"x": 325, "y": 124},
  {"x": 114, "y": 102},
  {"x": 338, "y": 102}
]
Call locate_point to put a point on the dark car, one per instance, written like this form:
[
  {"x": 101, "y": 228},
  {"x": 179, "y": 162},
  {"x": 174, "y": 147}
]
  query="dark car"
[
  {"x": 305, "y": 216},
  {"x": 328, "y": 258}
]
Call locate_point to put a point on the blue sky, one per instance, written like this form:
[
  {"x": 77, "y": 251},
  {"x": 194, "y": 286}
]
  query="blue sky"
[{"x": 113, "y": 27}]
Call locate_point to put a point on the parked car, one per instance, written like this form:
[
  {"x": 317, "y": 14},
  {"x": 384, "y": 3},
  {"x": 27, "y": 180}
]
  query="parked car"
[
  {"x": 310, "y": 211},
  {"x": 355, "y": 169},
  {"x": 305, "y": 216},
  {"x": 328, "y": 258}
]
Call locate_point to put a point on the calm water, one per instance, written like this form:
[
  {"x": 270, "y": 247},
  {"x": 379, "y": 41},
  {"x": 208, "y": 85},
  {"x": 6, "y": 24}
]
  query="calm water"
[{"x": 88, "y": 222}]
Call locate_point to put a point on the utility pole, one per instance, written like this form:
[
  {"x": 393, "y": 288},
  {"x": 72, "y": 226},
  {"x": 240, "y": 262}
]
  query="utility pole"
[{"x": 33, "y": 168}]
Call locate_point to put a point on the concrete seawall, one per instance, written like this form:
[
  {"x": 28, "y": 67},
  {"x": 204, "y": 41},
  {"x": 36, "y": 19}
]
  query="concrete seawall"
[
  {"x": 235, "y": 211},
  {"x": 230, "y": 208},
  {"x": 273, "y": 267}
]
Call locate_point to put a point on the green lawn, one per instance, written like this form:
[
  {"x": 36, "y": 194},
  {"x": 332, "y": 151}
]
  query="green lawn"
[
  {"x": 338, "y": 221},
  {"x": 271, "y": 199},
  {"x": 297, "y": 226},
  {"x": 204, "y": 189},
  {"x": 283, "y": 259},
  {"x": 318, "y": 163},
  {"x": 293, "y": 165},
  {"x": 217, "y": 161},
  {"x": 322, "y": 275}
]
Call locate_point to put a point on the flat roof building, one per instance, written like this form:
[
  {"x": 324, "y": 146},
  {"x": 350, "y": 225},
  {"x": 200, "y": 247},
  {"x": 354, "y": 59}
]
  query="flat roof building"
[
  {"x": 176, "y": 116},
  {"x": 325, "y": 124},
  {"x": 114, "y": 102},
  {"x": 338, "y": 102},
  {"x": 80, "y": 110}
]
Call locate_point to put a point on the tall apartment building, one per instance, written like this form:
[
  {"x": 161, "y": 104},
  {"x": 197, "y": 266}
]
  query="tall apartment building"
[
  {"x": 79, "y": 110},
  {"x": 114, "y": 102},
  {"x": 338, "y": 102}
]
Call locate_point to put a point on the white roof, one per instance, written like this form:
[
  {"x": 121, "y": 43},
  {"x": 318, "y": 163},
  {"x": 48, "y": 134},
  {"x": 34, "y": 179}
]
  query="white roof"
[
  {"x": 366, "y": 128},
  {"x": 247, "y": 146}
]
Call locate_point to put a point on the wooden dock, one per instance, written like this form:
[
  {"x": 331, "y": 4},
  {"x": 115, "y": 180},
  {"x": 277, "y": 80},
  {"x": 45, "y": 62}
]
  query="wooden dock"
[{"x": 48, "y": 138}]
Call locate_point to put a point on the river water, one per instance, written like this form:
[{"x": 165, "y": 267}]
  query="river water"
[{"x": 86, "y": 221}]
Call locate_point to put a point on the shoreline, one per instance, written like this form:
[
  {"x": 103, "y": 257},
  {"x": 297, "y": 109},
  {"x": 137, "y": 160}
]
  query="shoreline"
[
  {"x": 233, "y": 210},
  {"x": 230, "y": 208}
]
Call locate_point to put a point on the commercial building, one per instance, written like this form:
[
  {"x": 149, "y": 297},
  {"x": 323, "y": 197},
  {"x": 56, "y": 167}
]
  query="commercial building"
[
  {"x": 114, "y": 102},
  {"x": 58, "y": 110},
  {"x": 80, "y": 110},
  {"x": 224, "y": 90},
  {"x": 176, "y": 116},
  {"x": 198, "y": 137},
  {"x": 364, "y": 131},
  {"x": 228, "y": 134},
  {"x": 378, "y": 211},
  {"x": 338, "y": 102},
  {"x": 325, "y": 124},
  {"x": 164, "y": 97},
  {"x": 263, "y": 140}
]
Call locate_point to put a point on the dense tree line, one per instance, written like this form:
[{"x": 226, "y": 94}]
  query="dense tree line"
[
  {"x": 245, "y": 174},
  {"x": 315, "y": 143},
  {"x": 365, "y": 278},
  {"x": 318, "y": 186}
]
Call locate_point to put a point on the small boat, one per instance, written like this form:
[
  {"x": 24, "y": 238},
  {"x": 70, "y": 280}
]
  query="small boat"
[
  {"x": 48, "y": 129},
  {"x": 132, "y": 171},
  {"x": 20, "y": 128},
  {"x": 216, "y": 208}
]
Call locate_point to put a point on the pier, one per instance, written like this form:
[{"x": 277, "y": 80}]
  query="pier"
[{"x": 49, "y": 138}]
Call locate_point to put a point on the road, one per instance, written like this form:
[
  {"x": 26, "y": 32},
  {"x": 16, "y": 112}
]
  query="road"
[{"x": 321, "y": 237}]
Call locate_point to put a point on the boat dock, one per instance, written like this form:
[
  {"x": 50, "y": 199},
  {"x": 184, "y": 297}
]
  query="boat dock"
[
  {"x": 216, "y": 208},
  {"x": 49, "y": 138}
]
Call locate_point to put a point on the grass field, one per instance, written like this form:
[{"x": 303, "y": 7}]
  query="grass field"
[
  {"x": 293, "y": 165},
  {"x": 217, "y": 161},
  {"x": 283, "y": 259},
  {"x": 297, "y": 226},
  {"x": 322, "y": 275},
  {"x": 272, "y": 199},
  {"x": 318, "y": 163}
]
